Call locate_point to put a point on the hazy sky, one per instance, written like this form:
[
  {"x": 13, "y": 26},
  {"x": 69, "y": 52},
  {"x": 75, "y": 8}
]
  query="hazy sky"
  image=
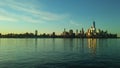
[{"x": 20, "y": 16}]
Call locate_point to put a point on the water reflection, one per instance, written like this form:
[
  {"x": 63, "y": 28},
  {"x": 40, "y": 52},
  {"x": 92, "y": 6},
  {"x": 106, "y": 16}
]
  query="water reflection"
[
  {"x": 68, "y": 44},
  {"x": 82, "y": 44},
  {"x": 36, "y": 43},
  {"x": 53, "y": 42},
  {"x": 67, "y": 52},
  {"x": 76, "y": 45},
  {"x": 73, "y": 45},
  {"x": 92, "y": 45},
  {"x": 102, "y": 43},
  {"x": 26, "y": 42}
]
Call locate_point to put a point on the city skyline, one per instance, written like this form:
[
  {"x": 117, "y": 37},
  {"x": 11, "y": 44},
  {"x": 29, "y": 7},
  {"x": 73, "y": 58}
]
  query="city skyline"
[
  {"x": 53, "y": 16},
  {"x": 92, "y": 32}
]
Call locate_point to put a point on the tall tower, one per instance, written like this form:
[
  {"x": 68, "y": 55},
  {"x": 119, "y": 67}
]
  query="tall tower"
[
  {"x": 94, "y": 28},
  {"x": 82, "y": 31},
  {"x": 64, "y": 30},
  {"x": 94, "y": 24}
]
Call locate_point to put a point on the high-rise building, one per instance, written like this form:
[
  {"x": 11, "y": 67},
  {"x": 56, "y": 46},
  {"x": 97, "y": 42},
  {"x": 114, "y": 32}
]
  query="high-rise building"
[
  {"x": 76, "y": 32},
  {"x": 53, "y": 34},
  {"x": 71, "y": 32},
  {"x": 82, "y": 31},
  {"x": 64, "y": 29},
  {"x": 94, "y": 24},
  {"x": 64, "y": 32},
  {"x": 36, "y": 32},
  {"x": 94, "y": 28}
]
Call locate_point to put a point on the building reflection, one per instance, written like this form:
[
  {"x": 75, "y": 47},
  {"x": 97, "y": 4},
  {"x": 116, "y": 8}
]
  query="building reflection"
[
  {"x": 82, "y": 45},
  {"x": 0, "y": 42},
  {"x": 53, "y": 41},
  {"x": 44, "y": 43},
  {"x": 71, "y": 44},
  {"x": 36, "y": 43},
  {"x": 79, "y": 45},
  {"x": 76, "y": 45},
  {"x": 26, "y": 42},
  {"x": 92, "y": 45},
  {"x": 68, "y": 44}
]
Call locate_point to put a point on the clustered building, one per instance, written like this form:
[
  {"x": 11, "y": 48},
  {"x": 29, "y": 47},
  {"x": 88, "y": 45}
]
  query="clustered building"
[
  {"x": 71, "y": 34},
  {"x": 92, "y": 32}
]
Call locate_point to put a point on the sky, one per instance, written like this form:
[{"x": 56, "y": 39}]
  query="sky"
[{"x": 47, "y": 16}]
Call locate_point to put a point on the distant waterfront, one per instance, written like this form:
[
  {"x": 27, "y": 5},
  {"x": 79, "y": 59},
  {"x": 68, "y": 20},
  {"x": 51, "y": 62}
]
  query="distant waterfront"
[{"x": 92, "y": 32}]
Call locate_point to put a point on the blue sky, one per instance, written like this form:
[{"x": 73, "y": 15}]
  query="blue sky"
[{"x": 19, "y": 16}]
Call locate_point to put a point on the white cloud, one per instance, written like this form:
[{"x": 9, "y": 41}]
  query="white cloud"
[
  {"x": 27, "y": 12},
  {"x": 74, "y": 23},
  {"x": 6, "y": 18}
]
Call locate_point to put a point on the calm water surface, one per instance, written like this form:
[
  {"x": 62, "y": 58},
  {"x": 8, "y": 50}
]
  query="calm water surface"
[{"x": 59, "y": 53}]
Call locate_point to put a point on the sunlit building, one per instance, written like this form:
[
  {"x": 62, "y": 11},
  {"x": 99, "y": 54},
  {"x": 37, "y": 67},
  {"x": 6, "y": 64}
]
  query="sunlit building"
[
  {"x": 92, "y": 31},
  {"x": 97, "y": 33}
]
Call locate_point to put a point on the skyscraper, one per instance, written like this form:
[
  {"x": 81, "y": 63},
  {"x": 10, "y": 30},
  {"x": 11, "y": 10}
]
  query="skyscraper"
[
  {"x": 94, "y": 28},
  {"x": 64, "y": 29},
  {"x": 94, "y": 24},
  {"x": 36, "y": 32},
  {"x": 82, "y": 31}
]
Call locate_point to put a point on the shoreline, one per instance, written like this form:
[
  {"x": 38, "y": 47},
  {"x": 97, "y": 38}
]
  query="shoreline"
[{"x": 55, "y": 38}]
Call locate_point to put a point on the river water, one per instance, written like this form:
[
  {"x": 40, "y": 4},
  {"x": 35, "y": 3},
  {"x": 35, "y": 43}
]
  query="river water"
[{"x": 59, "y": 53}]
